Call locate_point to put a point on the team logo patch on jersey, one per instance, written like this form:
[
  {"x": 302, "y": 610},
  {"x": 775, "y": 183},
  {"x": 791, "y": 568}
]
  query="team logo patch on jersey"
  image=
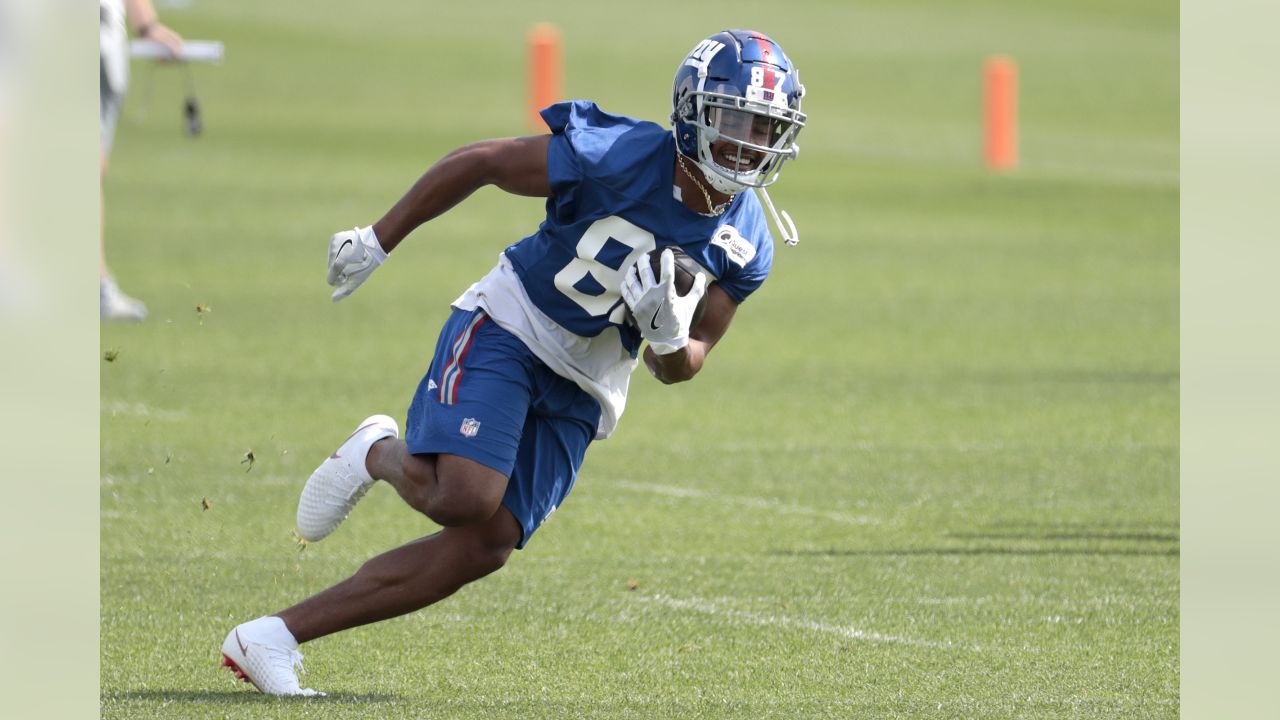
[
  {"x": 738, "y": 248},
  {"x": 470, "y": 426}
]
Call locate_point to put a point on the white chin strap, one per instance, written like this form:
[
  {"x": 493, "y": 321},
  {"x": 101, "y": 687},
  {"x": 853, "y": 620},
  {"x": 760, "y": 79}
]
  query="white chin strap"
[
  {"x": 781, "y": 219},
  {"x": 789, "y": 234}
]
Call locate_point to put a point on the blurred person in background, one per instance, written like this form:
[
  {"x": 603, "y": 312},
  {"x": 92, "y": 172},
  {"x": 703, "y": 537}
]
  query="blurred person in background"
[
  {"x": 114, "y": 73},
  {"x": 8, "y": 59}
]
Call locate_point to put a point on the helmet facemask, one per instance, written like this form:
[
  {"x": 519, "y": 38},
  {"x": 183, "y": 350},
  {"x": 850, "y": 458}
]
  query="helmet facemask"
[{"x": 741, "y": 143}]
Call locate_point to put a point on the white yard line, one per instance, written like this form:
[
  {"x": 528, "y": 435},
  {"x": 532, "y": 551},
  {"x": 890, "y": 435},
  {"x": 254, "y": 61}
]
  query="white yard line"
[
  {"x": 748, "y": 501},
  {"x": 749, "y": 618}
]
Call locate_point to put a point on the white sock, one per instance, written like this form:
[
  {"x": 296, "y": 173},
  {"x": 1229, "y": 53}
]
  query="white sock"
[
  {"x": 364, "y": 443},
  {"x": 270, "y": 630}
]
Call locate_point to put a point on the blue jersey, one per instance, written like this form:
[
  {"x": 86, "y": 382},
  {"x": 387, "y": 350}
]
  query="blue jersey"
[
  {"x": 559, "y": 290},
  {"x": 612, "y": 202}
]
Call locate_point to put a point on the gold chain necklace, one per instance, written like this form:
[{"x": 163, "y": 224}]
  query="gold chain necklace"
[{"x": 714, "y": 209}]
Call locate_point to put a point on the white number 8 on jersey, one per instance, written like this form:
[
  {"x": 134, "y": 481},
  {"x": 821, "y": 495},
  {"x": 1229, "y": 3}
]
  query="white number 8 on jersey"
[{"x": 587, "y": 264}]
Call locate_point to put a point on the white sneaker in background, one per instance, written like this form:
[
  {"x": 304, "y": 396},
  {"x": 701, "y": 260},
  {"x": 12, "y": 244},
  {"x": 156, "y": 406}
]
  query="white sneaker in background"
[{"x": 115, "y": 305}]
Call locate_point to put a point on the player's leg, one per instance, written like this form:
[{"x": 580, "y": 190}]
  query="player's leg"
[
  {"x": 465, "y": 426},
  {"x": 553, "y": 441},
  {"x": 556, "y": 428},
  {"x": 450, "y": 489},
  {"x": 463, "y": 429},
  {"x": 265, "y": 651},
  {"x": 407, "y": 578}
]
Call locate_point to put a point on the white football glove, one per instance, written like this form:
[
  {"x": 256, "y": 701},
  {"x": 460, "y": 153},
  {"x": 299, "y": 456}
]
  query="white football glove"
[
  {"x": 663, "y": 316},
  {"x": 353, "y": 256}
]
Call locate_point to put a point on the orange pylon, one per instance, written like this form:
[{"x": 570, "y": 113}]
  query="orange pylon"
[
  {"x": 1000, "y": 113},
  {"x": 544, "y": 71}
]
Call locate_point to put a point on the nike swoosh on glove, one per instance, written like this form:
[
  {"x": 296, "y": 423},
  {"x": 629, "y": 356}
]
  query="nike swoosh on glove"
[
  {"x": 663, "y": 316},
  {"x": 353, "y": 256}
]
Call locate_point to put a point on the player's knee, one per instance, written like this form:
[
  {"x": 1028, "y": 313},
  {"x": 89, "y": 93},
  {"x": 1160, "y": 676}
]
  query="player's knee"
[
  {"x": 487, "y": 558},
  {"x": 466, "y": 493},
  {"x": 463, "y": 506},
  {"x": 494, "y": 543}
]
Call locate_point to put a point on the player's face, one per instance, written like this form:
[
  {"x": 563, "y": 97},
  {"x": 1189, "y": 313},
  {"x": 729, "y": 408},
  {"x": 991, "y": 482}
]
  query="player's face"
[{"x": 745, "y": 127}]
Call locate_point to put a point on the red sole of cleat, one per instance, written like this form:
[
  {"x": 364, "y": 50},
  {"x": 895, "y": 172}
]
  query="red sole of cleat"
[{"x": 229, "y": 663}]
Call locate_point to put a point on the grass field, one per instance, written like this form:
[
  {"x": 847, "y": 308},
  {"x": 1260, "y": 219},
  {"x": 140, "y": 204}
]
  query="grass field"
[{"x": 932, "y": 472}]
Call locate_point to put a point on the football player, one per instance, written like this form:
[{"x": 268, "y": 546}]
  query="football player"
[{"x": 534, "y": 362}]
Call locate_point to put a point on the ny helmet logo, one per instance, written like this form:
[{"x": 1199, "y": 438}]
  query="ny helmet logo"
[{"x": 701, "y": 55}]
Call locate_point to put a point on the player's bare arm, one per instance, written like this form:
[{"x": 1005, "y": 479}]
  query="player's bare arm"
[
  {"x": 683, "y": 364},
  {"x": 517, "y": 165}
]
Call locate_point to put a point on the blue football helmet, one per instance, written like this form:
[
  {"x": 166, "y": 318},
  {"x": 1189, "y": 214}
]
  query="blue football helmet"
[{"x": 736, "y": 109}]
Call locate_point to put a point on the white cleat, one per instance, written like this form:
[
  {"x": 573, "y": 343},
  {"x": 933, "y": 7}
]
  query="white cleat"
[
  {"x": 113, "y": 304},
  {"x": 341, "y": 480},
  {"x": 258, "y": 653}
]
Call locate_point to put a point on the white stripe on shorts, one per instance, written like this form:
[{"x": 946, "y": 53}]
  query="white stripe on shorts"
[{"x": 453, "y": 368}]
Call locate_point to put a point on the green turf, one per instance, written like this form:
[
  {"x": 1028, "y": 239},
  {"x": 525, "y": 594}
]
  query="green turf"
[{"x": 932, "y": 472}]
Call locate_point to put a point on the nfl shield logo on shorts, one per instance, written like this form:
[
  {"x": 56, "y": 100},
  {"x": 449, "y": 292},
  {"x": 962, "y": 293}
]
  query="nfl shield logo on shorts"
[{"x": 470, "y": 426}]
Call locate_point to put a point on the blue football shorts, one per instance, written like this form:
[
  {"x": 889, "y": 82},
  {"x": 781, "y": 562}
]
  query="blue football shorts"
[{"x": 486, "y": 397}]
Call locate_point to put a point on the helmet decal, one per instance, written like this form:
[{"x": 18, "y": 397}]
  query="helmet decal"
[{"x": 701, "y": 55}]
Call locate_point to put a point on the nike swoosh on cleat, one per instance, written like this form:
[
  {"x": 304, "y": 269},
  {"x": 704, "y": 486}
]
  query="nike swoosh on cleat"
[
  {"x": 243, "y": 649},
  {"x": 653, "y": 323},
  {"x": 335, "y": 454}
]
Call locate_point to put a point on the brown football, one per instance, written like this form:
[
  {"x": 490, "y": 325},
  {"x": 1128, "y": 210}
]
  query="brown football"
[{"x": 686, "y": 270}]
